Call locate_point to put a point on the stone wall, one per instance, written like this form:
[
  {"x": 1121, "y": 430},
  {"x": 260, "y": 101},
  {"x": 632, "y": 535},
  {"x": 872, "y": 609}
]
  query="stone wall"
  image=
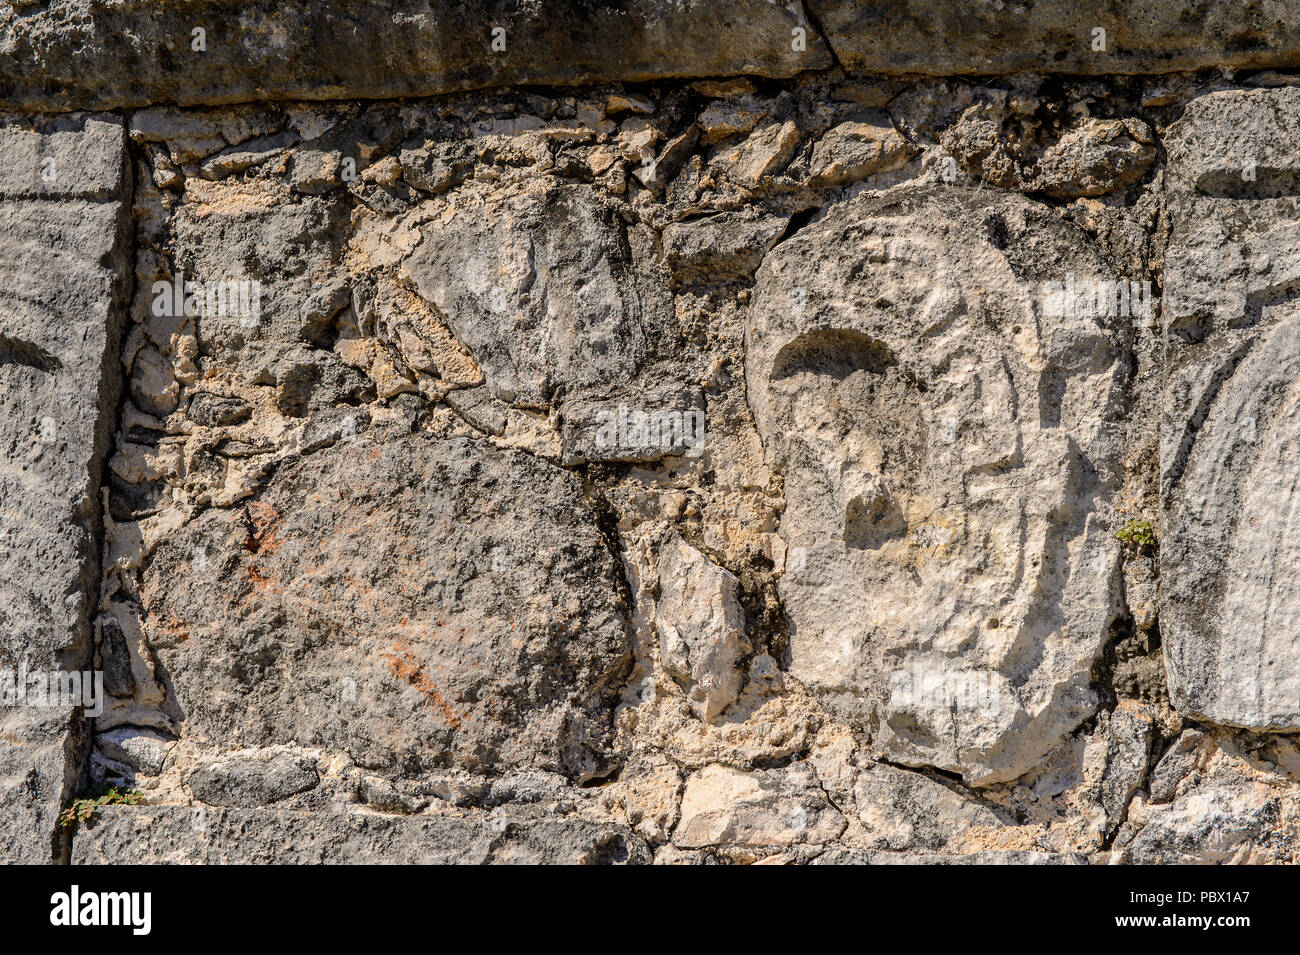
[{"x": 712, "y": 431}]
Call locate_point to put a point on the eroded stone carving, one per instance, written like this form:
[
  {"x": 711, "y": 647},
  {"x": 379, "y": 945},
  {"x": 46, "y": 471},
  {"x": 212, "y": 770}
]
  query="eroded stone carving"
[{"x": 947, "y": 457}]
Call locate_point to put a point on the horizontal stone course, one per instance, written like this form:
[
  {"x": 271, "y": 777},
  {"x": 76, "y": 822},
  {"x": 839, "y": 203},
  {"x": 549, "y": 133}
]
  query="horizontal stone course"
[
  {"x": 105, "y": 56},
  {"x": 181, "y": 835}
]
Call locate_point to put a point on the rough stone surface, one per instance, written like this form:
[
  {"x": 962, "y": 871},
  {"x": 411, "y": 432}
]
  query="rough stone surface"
[
  {"x": 855, "y": 149},
  {"x": 143, "y": 750},
  {"x": 248, "y": 783},
  {"x": 1092, "y": 157},
  {"x": 947, "y": 457},
  {"x": 708, "y": 432},
  {"x": 1232, "y": 144},
  {"x": 1231, "y": 806},
  {"x": 553, "y": 295},
  {"x": 721, "y": 248},
  {"x": 727, "y": 807},
  {"x": 135, "y": 53},
  {"x": 991, "y": 857},
  {"x": 177, "y": 835},
  {"x": 64, "y": 241},
  {"x": 701, "y": 628},
  {"x": 102, "y": 56},
  {"x": 904, "y": 811},
  {"x": 922, "y": 36},
  {"x": 1227, "y": 435},
  {"x": 478, "y": 627}
]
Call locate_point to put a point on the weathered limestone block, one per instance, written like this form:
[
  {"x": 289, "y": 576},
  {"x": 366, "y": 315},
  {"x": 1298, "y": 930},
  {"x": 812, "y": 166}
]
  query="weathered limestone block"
[
  {"x": 65, "y": 158},
  {"x": 1128, "y": 734},
  {"x": 1236, "y": 144},
  {"x": 1058, "y": 36},
  {"x": 722, "y": 119},
  {"x": 251, "y": 781},
  {"x": 646, "y": 420},
  {"x": 1228, "y": 558},
  {"x": 855, "y": 149},
  {"x": 947, "y": 457},
  {"x": 413, "y": 603},
  {"x": 701, "y": 628},
  {"x": 207, "y": 836},
  {"x": 91, "y": 55},
  {"x": 838, "y": 856},
  {"x": 94, "y": 55},
  {"x": 728, "y": 807},
  {"x": 905, "y": 811},
  {"x": 64, "y": 236},
  {"x": 720, "y": 248},
  {"x": 291, "y": 250},
  {"x": 548, "y": 288},
  {"x": 1094, "y": 157},
  {"x": 143, "y": 750},
  {"x": 647, "y": 796},
  {"x": 1226, "y": 805},
  {"x": 1175, "y": 765},
  {"x": 765, "y": 153}
]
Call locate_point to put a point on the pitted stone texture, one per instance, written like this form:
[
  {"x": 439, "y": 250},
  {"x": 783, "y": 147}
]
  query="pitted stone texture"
[
  {"x": 86, "y": 54},
  {"x": 728, "y": 807},
  {"x": 1091, "y": 157},
  {"x": 292, "y": 249},
  {"x": 63, "y": 242},
  {"x": 249, "y": 781},
  {"x": 646, "y": 420},
  {"x": 1236, "y": 144},
  {"x": 838, "y": 856},
  {"x": 67, "y": 157},
  {"x": 1057, "y": 36},
  {"x": 720, "y": 248},
  {"x": 548, "y": 288},
  {"x": 1228, "y": 266},
  {"x": 906, "y": 811},
  {"x": 416, "y": 603},
  {"x": 1222, "y": 804},
  {"x": 948, "y": 456},
  {"x": 205, "y": 836},
  {"x": 857, "y": 148},
  {"x": 701, "y": 628},
  {"x": 1228, "y": 558}
]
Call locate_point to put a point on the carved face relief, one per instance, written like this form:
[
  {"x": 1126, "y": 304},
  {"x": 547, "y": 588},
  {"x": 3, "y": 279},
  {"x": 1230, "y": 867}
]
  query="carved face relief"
[{"x": 945, "y": 452}]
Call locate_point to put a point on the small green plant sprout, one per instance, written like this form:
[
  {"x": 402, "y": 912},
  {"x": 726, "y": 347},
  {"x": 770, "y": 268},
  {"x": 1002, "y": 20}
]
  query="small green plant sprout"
[
  {"x": 82, "y": 810},
  {"x": 1138, "y": 534}
]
